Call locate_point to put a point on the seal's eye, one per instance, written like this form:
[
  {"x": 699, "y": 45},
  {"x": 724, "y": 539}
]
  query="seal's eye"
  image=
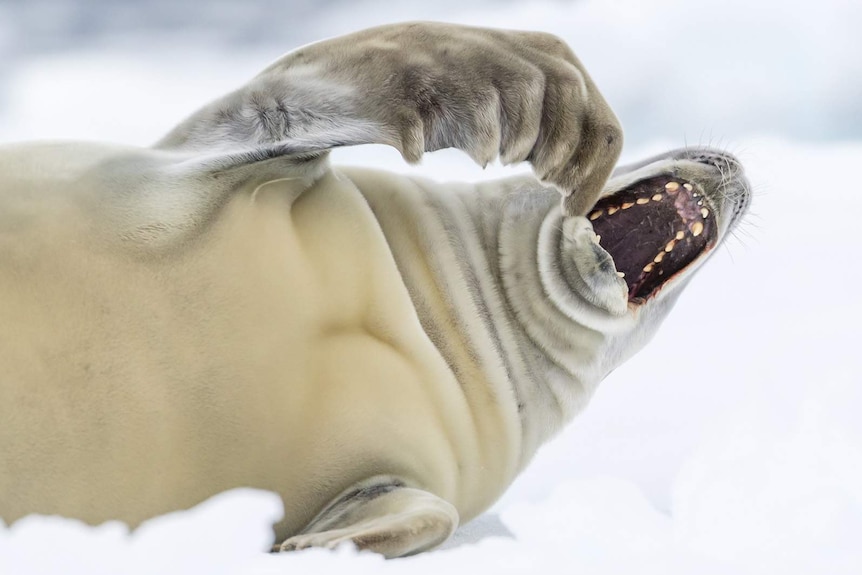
[{"x": 654, "y": 229}]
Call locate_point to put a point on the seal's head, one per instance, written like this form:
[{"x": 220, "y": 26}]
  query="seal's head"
[{"x": 655, "y": 224}]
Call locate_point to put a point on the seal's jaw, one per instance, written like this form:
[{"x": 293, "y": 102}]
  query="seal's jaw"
[
  {"x": 654, "y": 229},
  {"x": 660, "y": 219}
]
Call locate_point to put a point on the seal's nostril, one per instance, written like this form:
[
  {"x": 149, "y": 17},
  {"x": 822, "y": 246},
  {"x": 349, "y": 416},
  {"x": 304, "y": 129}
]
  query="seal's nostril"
[
  {"x": 722, "y": 161},
  {"x": 712, "y": 160}
]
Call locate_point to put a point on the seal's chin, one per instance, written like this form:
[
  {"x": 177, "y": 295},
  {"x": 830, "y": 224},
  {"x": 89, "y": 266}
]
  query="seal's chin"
[{"x": 653, "y": 230}]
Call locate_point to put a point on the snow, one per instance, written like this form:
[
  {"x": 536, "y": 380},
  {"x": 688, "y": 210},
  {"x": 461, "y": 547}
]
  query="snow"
[
  {"x": 222, "y": 535},
  {"x": 732, "y": 444}
]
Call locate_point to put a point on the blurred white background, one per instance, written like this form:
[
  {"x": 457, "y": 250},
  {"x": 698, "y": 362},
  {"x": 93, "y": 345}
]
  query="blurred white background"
[
  {"x": 734, "y": 440},
  {"x": 673, "y": 69}
]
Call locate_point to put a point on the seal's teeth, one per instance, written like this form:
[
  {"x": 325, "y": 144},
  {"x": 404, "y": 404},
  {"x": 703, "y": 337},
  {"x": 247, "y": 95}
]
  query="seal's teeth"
[
  {"x": 680, "y": 235},
  {"x": 656, "y": 197},
  {"x": 672, "y": 186},
  {"x": 688, "y": 187},
  {"x": 704, "y": 212},
  {"x": 669, "y": 247},
  {"x": 597, "y": 238},
  {"x": 627, "y": 205},
  {"x": 697, "y": 229},
  {"x": 642, "y": 201},
  {"x": 621, "y": 274},
  {"x": 612, "y": 210},
  {"x": 595, "y": 215},
  {"x": 649, "y": 267},
  {"x": 659, "y": 257}
]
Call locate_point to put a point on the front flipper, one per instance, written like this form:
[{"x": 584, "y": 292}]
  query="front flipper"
[
  {"x": 380, "y": 515},
  {"x": 420, "y": 87}
]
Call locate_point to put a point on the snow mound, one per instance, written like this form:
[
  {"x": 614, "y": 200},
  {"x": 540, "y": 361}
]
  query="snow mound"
[{"x": 220, "y": 536}]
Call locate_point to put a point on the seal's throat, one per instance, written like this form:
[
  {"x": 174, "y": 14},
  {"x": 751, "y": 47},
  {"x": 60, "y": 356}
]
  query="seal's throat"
[{"x": 653, "y": 230}]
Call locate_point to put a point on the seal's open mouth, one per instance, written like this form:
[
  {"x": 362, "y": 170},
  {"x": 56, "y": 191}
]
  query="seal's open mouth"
[{"x": 653, "y": 230}]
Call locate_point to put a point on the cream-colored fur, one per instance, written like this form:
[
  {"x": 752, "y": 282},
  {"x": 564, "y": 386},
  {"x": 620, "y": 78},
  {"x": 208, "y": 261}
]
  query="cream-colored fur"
[{"x": 226, "y": 309}]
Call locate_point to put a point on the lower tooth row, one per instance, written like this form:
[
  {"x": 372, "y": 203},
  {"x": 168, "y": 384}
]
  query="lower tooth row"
[{"x": 696, "y": 230}]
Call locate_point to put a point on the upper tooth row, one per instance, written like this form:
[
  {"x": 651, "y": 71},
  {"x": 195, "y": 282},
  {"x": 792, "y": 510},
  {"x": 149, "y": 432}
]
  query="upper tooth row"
[
  {"x": 670, "y": 186},
  {"x": 674, "y": 186},
  {"x": 626, "y": 205}
]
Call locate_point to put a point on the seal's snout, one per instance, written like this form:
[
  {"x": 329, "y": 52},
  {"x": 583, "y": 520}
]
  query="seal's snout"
[{"x": 729, "y": 187}]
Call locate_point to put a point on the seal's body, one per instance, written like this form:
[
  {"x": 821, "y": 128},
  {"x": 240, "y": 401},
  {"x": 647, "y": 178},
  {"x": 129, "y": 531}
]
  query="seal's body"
[
  {"x": 172, "y": 368},
  {"x": 386, "y": 353}
]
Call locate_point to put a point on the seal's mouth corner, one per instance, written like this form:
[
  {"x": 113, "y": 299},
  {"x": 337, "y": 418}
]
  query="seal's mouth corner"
[{"x": 654, "y": 229}]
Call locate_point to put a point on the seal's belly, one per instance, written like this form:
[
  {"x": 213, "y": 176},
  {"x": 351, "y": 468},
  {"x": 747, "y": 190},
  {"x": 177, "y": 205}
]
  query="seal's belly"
[{"x": 279, "y": 350}]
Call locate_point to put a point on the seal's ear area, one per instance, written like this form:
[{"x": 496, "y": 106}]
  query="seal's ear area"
[{"x": 590, "y": 269}]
